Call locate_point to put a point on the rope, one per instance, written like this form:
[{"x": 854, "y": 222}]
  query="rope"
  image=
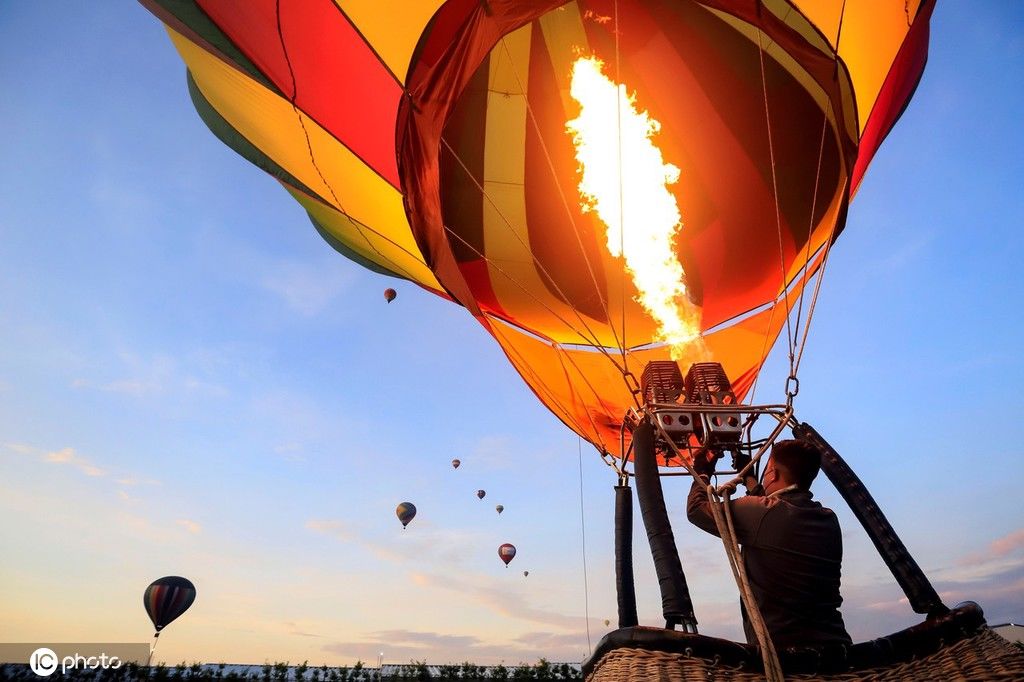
[
  {"x": 775, "y": 193},
  {"x": 622, "y": 199},
  {"x": 723, "y": 521},
  {"x": 152, "y": 648},
  {"x": 583, "y": 535}
]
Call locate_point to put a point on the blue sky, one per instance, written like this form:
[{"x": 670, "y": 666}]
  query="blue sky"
[{"x": 192, "y": 382}]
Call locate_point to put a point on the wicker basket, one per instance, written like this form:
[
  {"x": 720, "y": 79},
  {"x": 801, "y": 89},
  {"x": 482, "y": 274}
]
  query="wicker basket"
[{"x": 957, "y": 647}]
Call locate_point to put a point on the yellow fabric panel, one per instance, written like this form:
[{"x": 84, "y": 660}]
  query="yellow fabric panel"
[
  {"x": 564, "y": 37},
  {"x": 872, "y": 34},
  {"x": 369, "y": 244},
  {"x": 513, "y": 273},
  {"x": 392, "y": 27},
  {"x": 824, "y": 14},
  {"x": 273, "y": 125}
]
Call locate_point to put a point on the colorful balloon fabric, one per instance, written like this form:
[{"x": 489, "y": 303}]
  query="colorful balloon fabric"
[
  {"x": 405, "y": 512},
  {"x": 507, "y": 552},
  {"x": 379, "y": 119},
  {"x": 167, "y": 598},
  {"x": 390, "y": 295}
]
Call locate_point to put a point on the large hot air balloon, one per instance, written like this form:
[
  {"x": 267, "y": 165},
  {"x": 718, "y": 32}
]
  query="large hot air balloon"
[
  {"x": 480, "y": 494},
  {"x": 601, "y": 184},
  {"x": 167, "y": 598},
  {"x": 507, "y": 552},
  {"x": 405, "y": 512},
  {"x": 377, "y": 117}
]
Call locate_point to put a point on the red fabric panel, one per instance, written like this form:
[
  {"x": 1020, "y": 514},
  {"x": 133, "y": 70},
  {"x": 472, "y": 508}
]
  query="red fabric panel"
[
  {"x": 896, "y": 91},
  {"x": 339, "y": 81}
]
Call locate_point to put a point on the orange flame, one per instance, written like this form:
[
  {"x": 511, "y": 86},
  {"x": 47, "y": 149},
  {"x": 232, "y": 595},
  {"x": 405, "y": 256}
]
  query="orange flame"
[{"x": 625, "y": 181}]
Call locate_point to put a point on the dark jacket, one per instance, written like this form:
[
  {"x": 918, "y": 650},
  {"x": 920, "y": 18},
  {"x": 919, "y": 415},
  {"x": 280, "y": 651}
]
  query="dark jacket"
[{"x": 792, "y": 550}]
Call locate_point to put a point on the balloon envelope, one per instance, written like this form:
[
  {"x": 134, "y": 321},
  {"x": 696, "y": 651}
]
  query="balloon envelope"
[
  {"x": 480, "y": 493},
  {"x": 167, "y": 598},
  {"x": 507, "y": 552},
  {"x": 500, "y": 508},
  {"x": 526, "y": 573},
  {"x": 405, "y": 512},
  {"x": 456, "y": 463},
  {"x": 382, "y": 125},
  {"x": 390, "y": 295}
]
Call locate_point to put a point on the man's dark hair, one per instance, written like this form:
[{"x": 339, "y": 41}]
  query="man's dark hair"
[{"x": 799, "y": 459}]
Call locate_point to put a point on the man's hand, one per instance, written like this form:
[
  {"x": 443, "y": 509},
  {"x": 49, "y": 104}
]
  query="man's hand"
[{"x": 704, "y": 461}]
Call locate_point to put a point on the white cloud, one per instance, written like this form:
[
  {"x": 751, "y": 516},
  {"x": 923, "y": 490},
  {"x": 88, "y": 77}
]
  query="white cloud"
[
  {"x": 69, "y": 456},
  {"x": 306, "y": 288},
  {"x": 190, "y": 526}
]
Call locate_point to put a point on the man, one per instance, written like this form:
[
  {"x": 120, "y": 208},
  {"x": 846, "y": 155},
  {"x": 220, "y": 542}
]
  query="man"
[{"x": 792, "y": 547}]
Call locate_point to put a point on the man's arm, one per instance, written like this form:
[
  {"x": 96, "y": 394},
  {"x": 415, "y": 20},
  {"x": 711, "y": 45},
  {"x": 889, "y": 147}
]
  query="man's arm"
[{"x": 747, "y": 512}]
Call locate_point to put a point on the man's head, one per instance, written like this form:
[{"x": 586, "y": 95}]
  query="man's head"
[{"x": 793, "y": 462}]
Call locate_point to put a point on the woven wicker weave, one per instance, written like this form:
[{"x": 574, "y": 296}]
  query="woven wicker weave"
[{"x": 983, "y": 656}]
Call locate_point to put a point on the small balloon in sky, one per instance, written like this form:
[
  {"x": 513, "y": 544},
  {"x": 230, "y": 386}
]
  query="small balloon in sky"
[
  {"x": 507, "y": 552},
  {"x": 390, "y": 295},
  {"x": 456, "y": 463},
  {"x": 526, "y": 573},
  {"x": 499, "y": 508},
  {"x": 405, "y": 512},
  {"x": 480, "y": 493},
  {"x": 167, "y": 598},
  {"x": 607, "y": 622}
]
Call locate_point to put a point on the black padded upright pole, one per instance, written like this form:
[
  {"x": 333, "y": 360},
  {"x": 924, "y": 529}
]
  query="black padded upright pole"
[
  {"x": 625, "y": 587},
  {"x": 919, "y": 591},
  {"x": 675, "y": 596}
]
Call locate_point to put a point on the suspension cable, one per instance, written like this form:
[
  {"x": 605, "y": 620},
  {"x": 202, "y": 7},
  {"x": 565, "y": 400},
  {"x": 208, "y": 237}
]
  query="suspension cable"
[
  {"x": 583, "y": 537},
  {"x": 775, "y": 193}
]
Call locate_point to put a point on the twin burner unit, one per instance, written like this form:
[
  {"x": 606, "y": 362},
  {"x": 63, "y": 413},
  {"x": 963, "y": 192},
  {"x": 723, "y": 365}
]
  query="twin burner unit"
[{"x": 698, "y": 410}]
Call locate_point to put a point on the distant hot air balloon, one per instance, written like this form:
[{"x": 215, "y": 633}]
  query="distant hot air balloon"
[
  {"x": 390, "y": 295},
  {"x": 481, "y": 493},
  {"x": 607, "y": 622},
  {"x": 500, "y": 508},
  {"x": 456, "y": 463},
  {"x": 166, "y": 599},
  {"x": 526, "y": 573},
  {"x": 405, "y": 513},
  {"x": 507, "y": 552}
]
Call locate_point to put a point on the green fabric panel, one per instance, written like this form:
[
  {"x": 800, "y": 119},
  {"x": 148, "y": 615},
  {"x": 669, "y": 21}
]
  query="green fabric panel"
[
  {"x": 345, "y": 251},
  {"x": 227, "y": 134},
  {"x": 189, "y": 13}
]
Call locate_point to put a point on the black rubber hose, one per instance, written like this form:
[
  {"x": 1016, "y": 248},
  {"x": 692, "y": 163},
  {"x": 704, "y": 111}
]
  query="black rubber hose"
[
  {"x": 675, "y": 596},
  {"x": 625, "y": 587},
  {"x": 922, "y": 596}
]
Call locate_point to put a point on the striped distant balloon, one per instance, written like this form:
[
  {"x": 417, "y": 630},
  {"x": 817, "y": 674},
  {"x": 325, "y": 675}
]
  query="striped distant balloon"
[
  {"x": 167, "y": 598},
  {"x": 507, "y": 552}
]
